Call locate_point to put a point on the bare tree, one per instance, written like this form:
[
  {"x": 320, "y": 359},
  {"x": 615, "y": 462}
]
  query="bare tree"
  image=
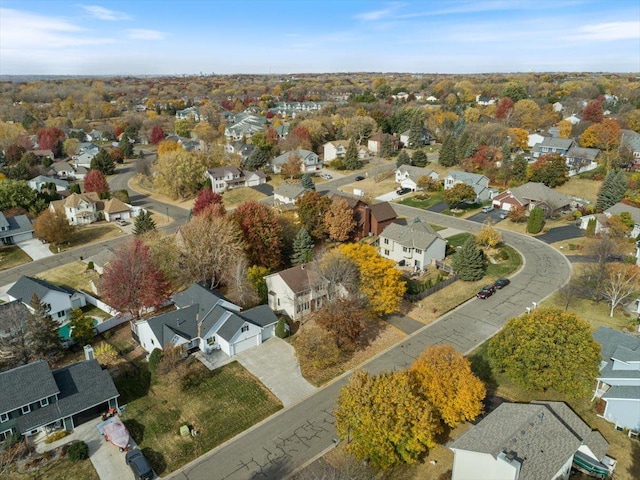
[
  {"x": 567, "y": 294},
  {"x": 601, "y": 250},
  {"x": 14, "y": 333},
  {"x": 619, "y": 284},
  {"x": 340, "y": 273},
  {"x": 240, "y": 289}
]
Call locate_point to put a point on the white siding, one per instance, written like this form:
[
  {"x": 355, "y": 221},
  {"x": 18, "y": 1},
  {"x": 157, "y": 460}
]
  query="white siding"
[{"x": 480, "y": 466}]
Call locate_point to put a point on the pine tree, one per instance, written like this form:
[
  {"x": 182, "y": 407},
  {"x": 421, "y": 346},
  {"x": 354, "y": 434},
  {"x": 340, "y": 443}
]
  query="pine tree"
[
  {"x": 519, "y": 168},
  {"x": 351, "y": 160},
  {"x": 143, "y": 223},
  {"x": 419, "y": 158},
  {"x": 126, "y": 146},
  {"x": 103, "y": 162},
  {"x": 612, "y": 190},
  {"x": 403, "y": 159},
  {"x": 302, "y": 247},
  {"x": 448, "y": 153},
  {"x": 536, "y": 220},
  {"x": 307, "y": 182},
  {"x": 469, "y": 263},
  {"x": 43, "y": 331},
  {"x": 415, "y": 132},
  {"x": 387, "y": 147}
]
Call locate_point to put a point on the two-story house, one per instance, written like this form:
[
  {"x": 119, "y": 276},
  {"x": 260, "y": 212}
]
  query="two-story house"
[
  {"x": 618, "y": 382},
  {"x": 338, "y": 149},
  {"x": 189, "y": 113},
  {"x": 552, "y": 145},
  {"x": 425, "y": 138},
  {"x": 617, "y": 209},
  {"x": 226, "y": 178},
  {"x": 630, "y": 144},
  {"x": 60, "y": 300},
  {"x": 35, "y": 399},
  {"x": 309, "y": 161},
  {"x": 480, "y": 183},
  {"x": 297, "y": 291},
  {"x": 408, "y": 175},
  {"x": 581, "y": 159},
  {"x": 15, "y": 229},
  {"x": 416, "y": 245},
  {"x": 374, "y": 144},
  {"x": 79, "y": 208}
]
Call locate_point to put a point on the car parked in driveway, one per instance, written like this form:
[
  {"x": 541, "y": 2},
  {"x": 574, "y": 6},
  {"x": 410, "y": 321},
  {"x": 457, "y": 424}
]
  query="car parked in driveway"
[
  {"x": 501, "y": 283},
  {"x": 358, "y": 178},
  {"x": 403, "y": 191},
  {"x": 139, "y": 465},
  {"x": 486, "y": 292},
  {"x": 122, "y": 223},
  {"x": 326, "y": 176},
  {"x": 487, "y": 209}
]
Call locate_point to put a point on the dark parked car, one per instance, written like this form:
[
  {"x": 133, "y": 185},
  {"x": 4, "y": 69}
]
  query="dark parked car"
[
  {"x": 403, "y": 191},
  {"x": 501, "y": 283},
  {"x": 139, "y": 465},
  {"x": 486, "y": 292},
  {"x": 359, "y": 177}
]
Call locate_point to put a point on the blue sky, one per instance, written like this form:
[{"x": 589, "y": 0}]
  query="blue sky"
[{"x": 446, "y": 36}]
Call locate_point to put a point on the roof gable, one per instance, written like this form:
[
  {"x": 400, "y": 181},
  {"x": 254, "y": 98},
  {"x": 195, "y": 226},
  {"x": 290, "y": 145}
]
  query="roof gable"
[
  {"x": 383, "y": 212},
  {"x": 415, "y": 235},
  {"x": 26, "y": 384},
  {"x": 26, "y": 287}
]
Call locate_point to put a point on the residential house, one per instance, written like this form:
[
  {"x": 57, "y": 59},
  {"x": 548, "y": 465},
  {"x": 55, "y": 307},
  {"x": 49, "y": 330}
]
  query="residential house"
[
  {"x": 59, "y": 300},
  {"x": 239, "y": 148},
  {"x": 557, "y": 107},
  {"x": 42, "y": 154},
  {"x": 226, "y": 178},
  {"x": 533, "y": 194},
  {"x": 425, "y": 138},
  {"x": 573, "y": 119},
  {"x": 100, "y": 260},
  {"x": 187, "y": 144},
  {"x": 581, "y": 159},
  {"x": 79, "y": 208},
  {"x": 480, "y": 183},
  {"x": 309, "y": 161},
  {"x": 36, "y": 399},
  {"x": 335, "y": 149},
  {"x": 407, "y": 176},
  {"x": 618, "y": 382},
  {"x": 370, "y": 219},
  {"x": 189, "y": 113},
  {"x": 416, "y": 245},
  {"x": 552, "y": 145},
  {"x": 15, "y": 229},
  {"x": 528, "y": 441},
  {"x": 296, "y": 291},
  {"x": 243, "y": 126},
  {"x": 533, "y": 139},
  {"x": 374, "y": 144},
  {"x": 630, "y": 141},
  {"x": 62, "y": 170},
  {"x": 485, "y": 100},
  {"x": 617, "y": 209},
  {"x": 288, "y": 193},
  {"x": 97, "y": 136},
  {"x": 207, "y": 322},
  {"x": 114, "y": 209},
  {"x": 43, "y": 182},
  {"x": 382, "y": 215}
]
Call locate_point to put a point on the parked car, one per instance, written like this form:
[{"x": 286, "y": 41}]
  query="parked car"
[
  {"x": 359, "y": 177},
  {"x": 139, "y": 465},
  {"x": 122, "y": 223},
  {"x": 403, "y": 191},
  {"x": 486, "y": 292},
  {"x": 503, "y": 214},
  {"x": 487, "y": 209},
  {"x": 501, "y": 283},
  {"x": 326, "y": 176}
]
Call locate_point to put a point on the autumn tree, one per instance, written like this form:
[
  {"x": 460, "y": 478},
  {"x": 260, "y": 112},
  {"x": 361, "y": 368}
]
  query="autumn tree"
[
  {"x": 343, "y": 318},
  {"x": 359, "y": 128},
  {"x": 604, "y": 135},
  {"x": 547, "y": 349},
  {"x": 469, "y": 262},
  {"x": 51, "y": 138},
  {"x": 143, "y": 223},
  {"x": 205, "y": 198},
  {"x": 504, "y": 109},
  {"x": 351, "y": 160},
  {"x": 210, "y": 246},
  {"x": 380, "y": 282},
  {"x": 71, "y": 147},
  {"x": 103, "y": 162},
  {"x": 448, "y": 384},
  {"x": 262, "y": 234},
  {"x": 131, "y": 281},
  {"x": 179, "y": 174},
  {"x": 312, "y": 207},
  {"x": 302, "y": 248},
  {"x": 52, "y": 227},
  {"x": 156, "y": 135},
  {"x": 619, "y": 284},
  {"x": 384, "y": 420},
  {"x": 95, "y": 181},
  {"x": 43, "y": 336},
  {"x": 460, "y": 193},
  {"x": 550, "y": 169},
  {"x": 593, "y": 112},
  {"x": 167, "y": 146},
  {"x": 339, "y": 220},
  {"x": 14, "y": 341},
  {"x": 564, "y": 128},
  {"x": 340, "y": 273},
  {"x": 519, "y": 138},
  {"x": 291, "y": 167},
  {"x": 255, "y": 275},
  {"x": 82, "y": 330},
  {"x": 612, "y": 190},
  {"x": 488, "y": 236}
]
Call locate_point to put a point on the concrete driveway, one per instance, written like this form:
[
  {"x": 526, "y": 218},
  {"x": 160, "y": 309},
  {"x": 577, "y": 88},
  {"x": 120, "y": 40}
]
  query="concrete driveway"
[
  {"x": 275, "y": 364},
  {"x": 387, "y": 197},
  {"x": 35, "y": 248}
]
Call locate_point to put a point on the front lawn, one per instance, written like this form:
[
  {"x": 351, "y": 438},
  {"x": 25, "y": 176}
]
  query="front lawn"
[
  {"x": 217, "y": 405},
  {"x": 423, "y": 200},
  {"x": 12, "y": 256},
  {"x": 53, "y": 469},
  {"x": 86, "y": 234},
  {"x": 74, "y": 275},
  {"x": 236, "y": 196},
  {"x": 458, "y": 239}
]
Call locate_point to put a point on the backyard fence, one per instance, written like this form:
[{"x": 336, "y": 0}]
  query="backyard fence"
[{"x": 430, "y": 291}]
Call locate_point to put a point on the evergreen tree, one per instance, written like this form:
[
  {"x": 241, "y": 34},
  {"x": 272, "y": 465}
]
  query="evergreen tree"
[
  {"x": 419, "y": 158},
  {"x": 519, "y": 168},
  {"x": 75, "y": 188},
  {"x": 143, "y": 223},
  {"x": 448, "y": 152},
  {"x": 465, "y": 147},
  {"x": 612, "y": 190},
  {"x": 415, "y": 132},
  {"x": 591, "y": 227},
  {"x": 403, "y": 159},
  {"x": 126, "y": 146},
  {"x": 257, "y": 158},
  {"x": 536, "y": 220},
  {"x": 351, "y": 160},
  {"x": 387, "y": 147},
  {"x": 307, "y": 182},
  {"x": 302, "y": 247},
  {"x": 43, "y": 331},
  {"x": 506, "y": 152},
  {"x": 469, "y": 263},
  {"x": 103, "y": 162},
  {"x": 82, "y": 331}
]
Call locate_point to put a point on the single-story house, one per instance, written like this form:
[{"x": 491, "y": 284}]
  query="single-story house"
[
  {"x": 15, "y": 229},
  {"x": 528, "y": 441},
  {"x": 407, "y": 176},
  {"x": 573, "y": 119},
  {"x": 552, "y": 145},
  {"x": 480, "y": 183},
  {"x": 36, "y": 399},
  {"x": 62, "y": 170},
  {"x": 374, "y": 144},
  {"x": 533, "y": 194},
  {"x": 581, "y": 159},
  {"x": 309, "y": 161},
  {"x": 42, "y": 181},
  {"x": 226, "y": 178},
  {"x": 416, "y": 245},
  {"x": 425, "y": 138},
  {"x": 618, "y": 382},
  {"x": 60, "y": 300},
  {"x": 617, "y": 209},
  {"x": 485, "y": 100},
  {"x": 100, "y": 259},
  {"x": 206, "y": 321},
  {"x": 288, "y": 193},
  {"x": 296, "y": 291}
]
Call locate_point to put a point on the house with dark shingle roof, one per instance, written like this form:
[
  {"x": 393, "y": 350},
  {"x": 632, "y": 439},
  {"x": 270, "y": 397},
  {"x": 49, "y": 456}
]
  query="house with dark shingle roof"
[
  {"x": 552, "y": 145},
  {"x": 479, "y": 183},
  {"x": 296, "y": 291},
  {"x": 60, "y": 300},
  {"x": 36, "y": 399},
  {"x": 408, "y": 175},
  {"x": 309, "y": 161},
  {"x": 618, "y": 383},
  {"x": 15, "y": 229},
  {"x": 532, "y": 441},
  {"x": 533, "y": 194},
  {"x": 205, "y": 321},
  {"x": 288, "y": 193},
  {"x": 414, "y": 245},
  {"x": 617, "y": 209}
]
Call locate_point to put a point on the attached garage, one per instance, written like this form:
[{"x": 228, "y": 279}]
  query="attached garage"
[{"x": 246, "y": 344}]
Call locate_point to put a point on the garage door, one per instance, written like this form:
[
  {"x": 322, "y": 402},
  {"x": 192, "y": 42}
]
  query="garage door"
[{"x": 245, "y": 344}]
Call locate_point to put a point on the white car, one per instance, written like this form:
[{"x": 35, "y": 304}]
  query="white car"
[
  {"x": 326, "y": 176},
  {"x": 122, "y": 223}
]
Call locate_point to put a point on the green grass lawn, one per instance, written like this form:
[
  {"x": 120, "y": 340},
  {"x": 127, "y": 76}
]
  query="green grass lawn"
[
  {"x": 508, "y": 261},
  {"x": 12, "y": 256},
  {"x": 458, "y": 239},
  {"x": 417, "y": 201},
  {"x": 86, "y": 234},
  {"x": 218, "y": 405},
  {"x": 74, "y": 275}
]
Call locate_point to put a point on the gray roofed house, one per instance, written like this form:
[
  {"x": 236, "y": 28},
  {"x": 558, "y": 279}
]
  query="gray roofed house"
[
  {"x": 37, "y": 183},
  {"x": 15, "y": 229},
  {"x": 415, "y": 245},
  {"x": 630, "y": 141},
  {"x": 617, "y": 209},
  {"x": 309, "y": 161},
  {"x": 288, "y": 193},
  {"x": 618, "y": 382},
  {"x": 41, "y": 398},
  {"x": 408, "y": 175},
  {"x": 530, "y": 441},
  {"x": 552, "y": 145},
  {"x": 100, "y": 259},
  {"x": 479, "y": 183},
  {"x": 533, "y": 194}
]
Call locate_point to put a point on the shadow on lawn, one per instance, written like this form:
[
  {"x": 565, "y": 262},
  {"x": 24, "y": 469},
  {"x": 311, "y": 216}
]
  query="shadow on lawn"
[
  {"x": 156, "y": 459},
  {"x": 136, "y": 430},
  {"x": 133, "y": 383}
]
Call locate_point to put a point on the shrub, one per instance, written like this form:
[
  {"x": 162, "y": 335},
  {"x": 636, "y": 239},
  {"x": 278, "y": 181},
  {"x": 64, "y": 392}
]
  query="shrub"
[
  {"x": 56, "y": 436},
  {"x": 536, "y": 220},
  {"x": 78, "y": 451},
  {"x": 105, "y": 353},
  {"x": 90, "y": 266},
  {"x": 154, "y": 360},
  {"x": 282, "y": 328}
]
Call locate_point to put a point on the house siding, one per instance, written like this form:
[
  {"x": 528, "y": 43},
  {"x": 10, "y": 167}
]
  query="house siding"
[
  {"x": 481, "y": 466},
  {"x": 397, "y": 252},
  {"x": 623, "y": 411}
]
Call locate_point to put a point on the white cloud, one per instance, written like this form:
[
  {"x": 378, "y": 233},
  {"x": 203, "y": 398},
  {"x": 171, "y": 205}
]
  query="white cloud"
[
  {"x": 608, "y": 31},
  {"x": 102, "y": 13},
  {"x": 380, "y": 14},
  {"x": 142, "y": 34}
]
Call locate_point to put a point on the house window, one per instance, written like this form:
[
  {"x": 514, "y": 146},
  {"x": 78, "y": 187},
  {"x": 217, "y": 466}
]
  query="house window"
[
  {"x": 211, "y": 341},
  {"x": 405, "y": 249},
  {"x": 4, "y": 417},
  {"x": 278, "y": 302},
  {"x": 386, "y": 252},
  {"x": 386, "y": 241},
  {"x": 44, "y": 402},
  {"x": 245, "y": 328},
  {"x": 418, "y": 251},
  {"x": 152, "y": 342},
  {"x": 26, "y": 409},
  {"x": 60, "y": 314}
]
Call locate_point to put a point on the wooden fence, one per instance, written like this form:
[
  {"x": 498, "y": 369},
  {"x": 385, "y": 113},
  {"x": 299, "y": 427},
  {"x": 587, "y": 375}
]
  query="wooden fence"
[{"x": 430, "y": 291}]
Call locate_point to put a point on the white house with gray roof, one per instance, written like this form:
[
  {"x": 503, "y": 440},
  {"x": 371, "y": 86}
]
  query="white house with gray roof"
[
  {"x": 618, "y": 382},
  {"x": 288, "y": 193},
  {"x": 309, "y": 161},
  {"x": 15, "y": 229},
  {"x": 415, "y": 245},
  {"x": 532, "y": 441},
  {"x": 552, "y": 145},
  {"x": 408, "y": 175},
  {"x": 617, "y": 209},
  {"x": 206, "y": 321},
  {"x": 42, "y": 181},
  {"x": 479, "y": 183}
]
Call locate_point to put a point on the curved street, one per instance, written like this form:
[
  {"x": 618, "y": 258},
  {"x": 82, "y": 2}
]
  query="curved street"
[{"x": 288, "y": 440}]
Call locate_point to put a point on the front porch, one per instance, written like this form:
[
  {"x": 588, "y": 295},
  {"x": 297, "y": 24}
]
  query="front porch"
[{"x": 215, "y": 359}]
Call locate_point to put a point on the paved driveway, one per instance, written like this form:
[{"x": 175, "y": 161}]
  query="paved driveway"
[
  {"x": 559, "y": 234},
  {"x": 493, "y": 215},
  {"x": 275, "y": 364},
  {"x": 438, "y": 207},
  {"x": 387, "y": 197},
  {"x": 265, "y": 189},
  {"x": 35, "y": 248}
]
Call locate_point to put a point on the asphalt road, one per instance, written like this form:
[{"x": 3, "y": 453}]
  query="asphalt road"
[{"x": 280, "y": 445}]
